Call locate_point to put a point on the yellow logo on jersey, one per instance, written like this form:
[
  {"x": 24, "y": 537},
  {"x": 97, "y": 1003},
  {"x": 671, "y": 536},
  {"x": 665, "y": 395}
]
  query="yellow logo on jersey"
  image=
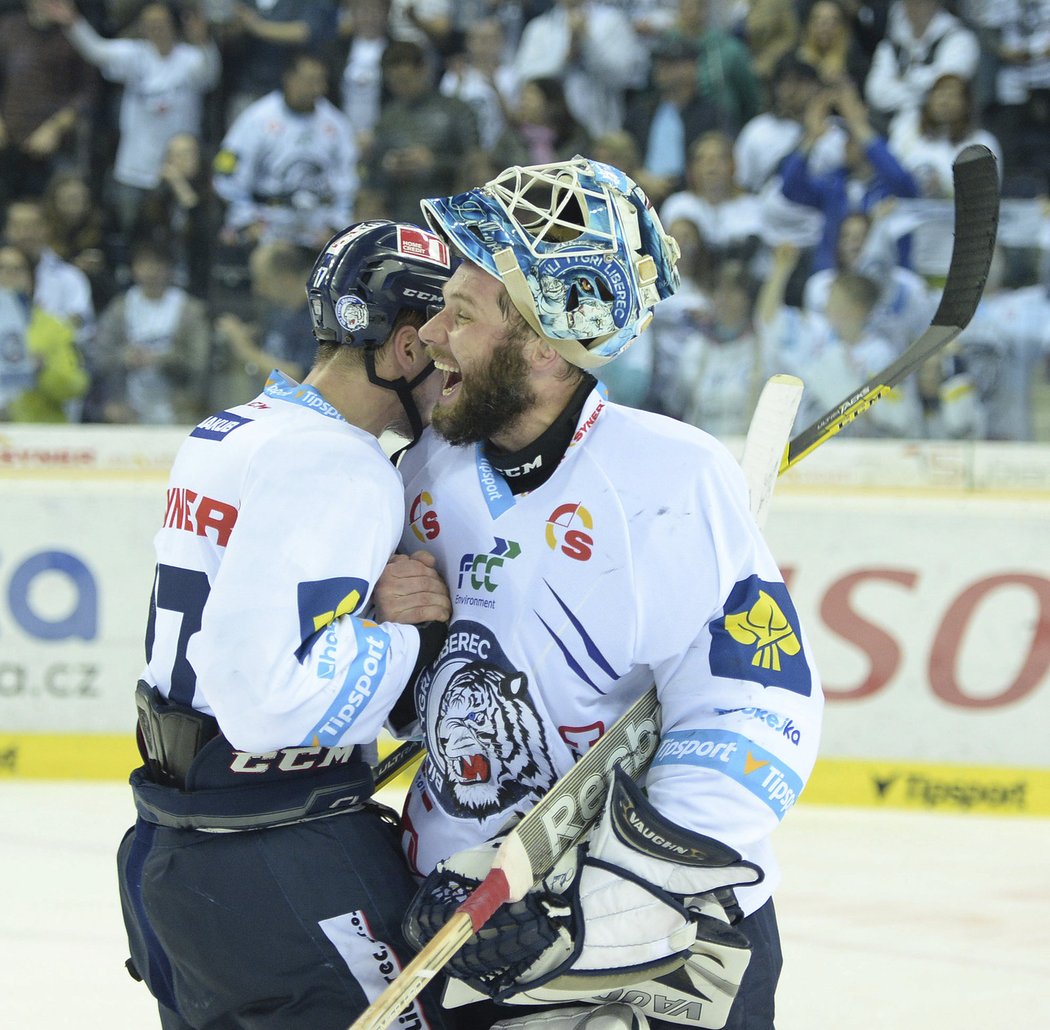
[
  {"x": 345, "y": 607},
  {"x": 764, "y": 627}
]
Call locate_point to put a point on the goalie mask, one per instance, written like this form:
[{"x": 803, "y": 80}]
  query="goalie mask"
[
  {"x": 365, "y": 277},
  {"x": 578, "y": 246}
]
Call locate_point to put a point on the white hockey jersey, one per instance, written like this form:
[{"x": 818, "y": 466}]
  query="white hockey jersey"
[
  {"x": 280, "y": 517},
  {"x": 636, "y": 562},
  {"x": 295, "y": 174}
]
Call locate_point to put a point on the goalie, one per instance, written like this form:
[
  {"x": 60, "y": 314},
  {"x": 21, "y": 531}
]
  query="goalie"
[{"x": 591, "y": 550}]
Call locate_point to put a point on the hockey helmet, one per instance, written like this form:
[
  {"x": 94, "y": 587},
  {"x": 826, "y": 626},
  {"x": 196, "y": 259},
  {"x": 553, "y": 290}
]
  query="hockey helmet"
[
  {"x": 368, "y": 273},
  {"x": 578, "y": 246}
]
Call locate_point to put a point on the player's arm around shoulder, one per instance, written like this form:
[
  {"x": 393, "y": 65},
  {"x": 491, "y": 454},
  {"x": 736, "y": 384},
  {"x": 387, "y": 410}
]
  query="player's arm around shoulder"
[{"x": 287, "y": 643}]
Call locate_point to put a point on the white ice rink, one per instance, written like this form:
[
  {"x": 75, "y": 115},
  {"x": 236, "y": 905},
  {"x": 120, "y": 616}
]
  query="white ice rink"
[{"x": 890, "y": 920}]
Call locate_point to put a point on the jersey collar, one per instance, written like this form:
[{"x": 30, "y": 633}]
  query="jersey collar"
[
  {"x": 281, "y": 387},
  {"x": 582, "y": 412}
]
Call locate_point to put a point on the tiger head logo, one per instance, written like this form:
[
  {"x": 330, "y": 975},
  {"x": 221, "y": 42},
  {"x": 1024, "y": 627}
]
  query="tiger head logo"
[{"x": 491, "y": 747}]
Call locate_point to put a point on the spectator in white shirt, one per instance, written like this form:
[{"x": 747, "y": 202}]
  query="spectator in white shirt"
[
  {"x": 923, "y": 41},
  {"x": 61, "y": 289},
  {"x": 164, "y": 83},
  {"x": 728, "y": 217},
  {"x": 287, "y": 167},
  {"x": 364, "y": 34},
  {"x": 926, "y": 142},
  {"x": 483, "y": 79},
  {"x": 595, "y": 50}
]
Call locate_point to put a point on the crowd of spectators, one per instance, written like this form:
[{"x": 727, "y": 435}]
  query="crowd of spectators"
[{"x": 169, "y": 169}]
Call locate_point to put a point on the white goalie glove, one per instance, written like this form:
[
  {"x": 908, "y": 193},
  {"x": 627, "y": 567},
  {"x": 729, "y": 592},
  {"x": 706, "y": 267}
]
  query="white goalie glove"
[{"x": 642, "y": 903}]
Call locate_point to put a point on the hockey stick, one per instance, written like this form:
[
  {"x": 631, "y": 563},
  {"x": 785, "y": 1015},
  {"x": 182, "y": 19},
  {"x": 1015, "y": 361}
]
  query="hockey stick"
[
  {"x": 767, "y": 434},
  {"x": 530, "y": 850},
  {"x": 976, "y": 221},
  {"x": 561, "y": 816},
  {"x": 767, "y": 437}
]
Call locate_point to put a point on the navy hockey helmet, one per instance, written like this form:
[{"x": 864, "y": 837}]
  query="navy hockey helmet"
[{"x": 368, "y": 274}]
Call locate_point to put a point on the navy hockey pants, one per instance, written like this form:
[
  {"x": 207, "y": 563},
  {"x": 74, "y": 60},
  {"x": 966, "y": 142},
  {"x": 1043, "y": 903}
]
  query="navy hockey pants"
[{"x": 286, "y": 927}]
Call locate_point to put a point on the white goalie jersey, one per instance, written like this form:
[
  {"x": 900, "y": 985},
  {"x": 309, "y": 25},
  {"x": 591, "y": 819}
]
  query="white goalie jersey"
[
  {"x": 280, "y": 517},
  {"x": 636, "y": 562}
]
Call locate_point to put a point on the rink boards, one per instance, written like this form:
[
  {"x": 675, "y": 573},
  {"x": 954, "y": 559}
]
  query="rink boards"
[{"x": 921, "y": 573}]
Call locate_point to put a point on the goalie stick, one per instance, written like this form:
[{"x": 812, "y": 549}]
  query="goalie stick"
[
  {"x": 530, "y": 849},
  {"x": 976, "y": 181}
]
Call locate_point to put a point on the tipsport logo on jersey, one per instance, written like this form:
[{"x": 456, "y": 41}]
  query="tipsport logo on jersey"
[
  {"x": 758, "y": 771},
  {"x": 757, "y": 638},
  {"x": 488, "y": 751}
]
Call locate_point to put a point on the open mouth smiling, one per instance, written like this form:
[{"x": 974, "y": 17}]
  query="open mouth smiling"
[{"x": 452, "y": 377}]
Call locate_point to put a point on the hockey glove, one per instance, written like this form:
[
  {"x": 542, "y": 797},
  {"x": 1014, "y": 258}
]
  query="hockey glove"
[{"x": 508, "y": 944}]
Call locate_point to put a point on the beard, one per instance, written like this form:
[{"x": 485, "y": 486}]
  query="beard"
[{"x": 497, "y": 395}]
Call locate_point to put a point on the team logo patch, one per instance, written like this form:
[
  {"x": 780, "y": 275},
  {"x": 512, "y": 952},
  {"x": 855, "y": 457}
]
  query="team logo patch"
[
  {"x": 488, "y": 751},
  {"x": 351, "y": 313},
  {"x": 758, "y": 638},
  {"x": 322, "y": 601},
  {"x": 418, "y": 243}
]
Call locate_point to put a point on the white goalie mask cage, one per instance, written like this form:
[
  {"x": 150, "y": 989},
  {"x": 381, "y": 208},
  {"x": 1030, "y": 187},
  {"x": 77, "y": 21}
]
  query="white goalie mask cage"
[{"x": 578, "y": 246}]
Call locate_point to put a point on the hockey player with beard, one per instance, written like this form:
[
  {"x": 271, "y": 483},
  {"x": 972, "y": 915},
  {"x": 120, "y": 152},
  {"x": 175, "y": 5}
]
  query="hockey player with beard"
[
  {"x": 592, "y": 549},
  {"x": 261, "y": 886}
]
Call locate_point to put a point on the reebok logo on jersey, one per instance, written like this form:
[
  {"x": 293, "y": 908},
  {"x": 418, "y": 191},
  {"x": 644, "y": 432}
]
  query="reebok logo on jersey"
[
  {"x": 218, "y": 427},
  {"x": 757, "y": 638},
  {"x": 781, "y": 724}
]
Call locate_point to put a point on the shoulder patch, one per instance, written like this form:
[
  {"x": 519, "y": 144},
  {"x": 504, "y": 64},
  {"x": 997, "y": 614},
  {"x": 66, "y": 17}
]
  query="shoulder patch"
[
  {"x": 219, "y": 426},
  {"x": 322, "y": 601},
  {"x": 758, "y": 638}
]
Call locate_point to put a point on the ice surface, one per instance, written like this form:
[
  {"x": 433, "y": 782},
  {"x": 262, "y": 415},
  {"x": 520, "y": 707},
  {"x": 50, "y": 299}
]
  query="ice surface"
[{"x": 889, "y": 919}]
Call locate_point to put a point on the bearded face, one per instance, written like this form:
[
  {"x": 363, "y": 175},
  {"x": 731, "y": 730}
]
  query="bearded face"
[{"x": 491, "y": 397}]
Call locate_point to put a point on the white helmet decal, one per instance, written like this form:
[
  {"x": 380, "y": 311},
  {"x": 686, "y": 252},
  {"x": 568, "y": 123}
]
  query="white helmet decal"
[{"x": 352, "y": 313}]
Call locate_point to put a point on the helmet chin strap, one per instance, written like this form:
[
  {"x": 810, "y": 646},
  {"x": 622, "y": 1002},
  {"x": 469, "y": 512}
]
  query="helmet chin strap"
[{"x": 403, "y": 388}]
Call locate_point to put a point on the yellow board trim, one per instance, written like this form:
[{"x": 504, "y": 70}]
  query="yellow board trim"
[
  {"x": 929, "y": 787},
  {"x": 67, "y": 756},
  {"x": 873, "y": 783}
]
